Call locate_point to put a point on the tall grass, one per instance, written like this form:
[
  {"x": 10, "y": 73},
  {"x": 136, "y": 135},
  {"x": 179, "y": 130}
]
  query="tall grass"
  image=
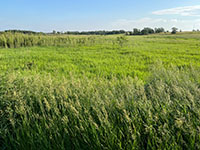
[
  {"x": 16, "y": 40},
  {"x": 46, "y": 113}
]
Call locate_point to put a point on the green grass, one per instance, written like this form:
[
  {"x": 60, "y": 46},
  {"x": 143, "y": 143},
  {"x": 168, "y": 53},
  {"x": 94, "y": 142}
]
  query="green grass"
[
  {"x": 104, "y": 60},
  {"x": 142, "y": 93}
]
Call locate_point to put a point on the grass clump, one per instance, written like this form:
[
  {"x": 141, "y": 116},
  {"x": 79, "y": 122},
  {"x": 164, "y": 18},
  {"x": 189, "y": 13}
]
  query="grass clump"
[{"x": 94, "y": 113}]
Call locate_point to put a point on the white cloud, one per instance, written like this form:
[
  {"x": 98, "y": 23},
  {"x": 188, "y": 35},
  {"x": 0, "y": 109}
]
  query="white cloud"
[
  {"x": 183, "y": 11},
  {"x": 174, "y": 20},
  {"x": 186, "y": 25},
  {"x": 129, "y": 24}
]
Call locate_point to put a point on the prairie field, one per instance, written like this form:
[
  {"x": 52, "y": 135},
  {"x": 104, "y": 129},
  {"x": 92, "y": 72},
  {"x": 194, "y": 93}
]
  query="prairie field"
[{"x": 100, "y": 92}]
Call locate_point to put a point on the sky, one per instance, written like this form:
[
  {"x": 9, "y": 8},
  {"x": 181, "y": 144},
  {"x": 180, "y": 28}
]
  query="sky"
[{"x": 87, "y": 15}]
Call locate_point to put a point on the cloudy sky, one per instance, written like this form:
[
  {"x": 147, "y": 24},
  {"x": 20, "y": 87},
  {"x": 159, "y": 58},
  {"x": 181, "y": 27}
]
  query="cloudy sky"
[{"x": 84, "y": 15}]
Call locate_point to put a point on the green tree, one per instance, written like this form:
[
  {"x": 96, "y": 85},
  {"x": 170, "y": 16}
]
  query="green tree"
[
  {"x": 159, "y": 30},
  {"x": 54, "y": 32},
  {"x": 136, "y": 31},
  {"x": 174, "y": 30},
  {"x": 146, "y": 31}
]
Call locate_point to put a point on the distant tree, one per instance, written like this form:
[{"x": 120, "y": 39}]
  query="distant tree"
[
  {"x": 159, "y": 30},
  {"x": 54, "y": 32},
  {"x": 174, "y": 30},
  {"x": 147, "y": 31},
  {"x": 21, "y": 31},
  {"x": 95, "y": 32},
  {"x": 136, "y": 31}
]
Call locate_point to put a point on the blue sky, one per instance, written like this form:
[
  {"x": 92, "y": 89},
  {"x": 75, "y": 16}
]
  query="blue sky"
[{"x": 84, "y": 15}]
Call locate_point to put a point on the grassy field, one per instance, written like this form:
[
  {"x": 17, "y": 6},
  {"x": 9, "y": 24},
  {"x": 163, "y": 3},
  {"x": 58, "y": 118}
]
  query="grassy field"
[{"x": 100, "y": 92}]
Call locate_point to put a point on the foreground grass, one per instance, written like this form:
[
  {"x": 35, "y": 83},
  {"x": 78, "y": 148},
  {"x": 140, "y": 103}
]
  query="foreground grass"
[
  {"x": 98, "y": 94},
  {"x": 163, "y": 113}
]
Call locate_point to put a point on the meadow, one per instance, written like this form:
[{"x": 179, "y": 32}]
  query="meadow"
[{"x": 100, "y": 92}]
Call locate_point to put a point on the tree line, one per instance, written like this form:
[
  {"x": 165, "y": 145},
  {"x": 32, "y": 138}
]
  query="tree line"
[
  {"x": 135, "y": 31},
  {"x": 146, "y": 31},
  {"x": 103, "y": 32},
  {"x": 22, "y": 31}
]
